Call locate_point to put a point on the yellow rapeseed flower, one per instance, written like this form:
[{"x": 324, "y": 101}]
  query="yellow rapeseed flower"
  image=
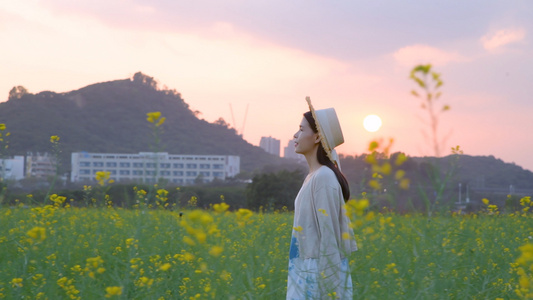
[
  {"x": 220, "y": 207},
  {"x": 244, "y": 213},
  {"x": 165, "y": 267},
  {"x": 374, "y": 184},
  {"x": 187, "y": 240},
  {"x": 373, "y": 146},
  {"x": 386, "y": 168},
  {"x": 144, "y": 281},
  {"x": 113, "y": 291},
  {"x": 200, "y": 236},
  {"x": 216, "y": 251},
  {"x": 54, "y": 139},
  {"x": 102, "y": 177},
  {"x": 2, "y": 126},
  {"x": 523, "y": 281},
  {"x": 16, "y": 282},
  {"x": 400, "y": 159},
  {"x": 399, "y": 174},
  {"x": 404, "y": 183},
  {"x": 323, "y": 211},
  {"x": 37, "y": 233},
  {"x": 153, "y": 116},
  {"x": 526, "y": 256}
]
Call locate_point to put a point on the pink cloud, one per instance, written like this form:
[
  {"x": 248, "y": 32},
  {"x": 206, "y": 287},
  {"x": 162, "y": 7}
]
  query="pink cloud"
[
  {"x": 423, "y": 54},
  {"x": 500, "y": 38}
]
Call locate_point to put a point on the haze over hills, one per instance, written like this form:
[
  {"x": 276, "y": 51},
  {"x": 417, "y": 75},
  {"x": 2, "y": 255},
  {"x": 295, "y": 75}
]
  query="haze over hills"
[{"x": 111, "y": 117}]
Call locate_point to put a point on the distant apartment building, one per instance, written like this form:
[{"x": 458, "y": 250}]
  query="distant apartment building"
[
  {"x": 288, "y": 152},
  {"x": 270, "y": 145},
  {"x": 12, "y": 168},
  {"x": 149, "y": 167},
  {"x": 40, "y": 165}
]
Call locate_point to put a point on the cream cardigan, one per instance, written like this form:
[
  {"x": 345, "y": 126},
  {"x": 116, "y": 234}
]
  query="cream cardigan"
[{"x": 321, "y": 225}]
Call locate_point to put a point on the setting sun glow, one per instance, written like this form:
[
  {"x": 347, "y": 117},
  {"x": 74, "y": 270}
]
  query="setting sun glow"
[{"x": 372, "y": 123}]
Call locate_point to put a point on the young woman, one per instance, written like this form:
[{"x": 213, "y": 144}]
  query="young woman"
[{"x": 322, "y": 238}]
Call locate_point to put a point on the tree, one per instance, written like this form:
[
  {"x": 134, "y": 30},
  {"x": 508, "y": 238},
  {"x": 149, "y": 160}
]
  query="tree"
[
  {"x": 145, "y": 80},
  {"x": 274, "y": 190},
  {"x": 221, "y": 122},
  {"x": 17, "y": 92}
]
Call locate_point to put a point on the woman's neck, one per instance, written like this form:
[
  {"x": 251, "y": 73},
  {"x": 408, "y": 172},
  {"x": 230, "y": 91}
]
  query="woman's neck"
[{"x": 312, "y": 162}]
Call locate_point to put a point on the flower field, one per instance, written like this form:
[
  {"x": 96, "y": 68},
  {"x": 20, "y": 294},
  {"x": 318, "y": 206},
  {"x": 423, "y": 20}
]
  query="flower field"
[{"x": 61, "y": 252}]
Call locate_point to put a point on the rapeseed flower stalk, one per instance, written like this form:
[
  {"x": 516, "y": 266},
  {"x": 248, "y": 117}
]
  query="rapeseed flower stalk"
[
  {"x": 526, "y": 203},
  {"x": 3, "y": 141},
  {"x": 94, "y": 265},
  {"x": 3, "y": 149},
  {"x": 140, "y": 197},
  {"x": 103, "y": 178},
  {"x": 193, "y": 202},
  {"x": 155, "y": 120},
  {"x": 491, "y": 209},
  {"x": 161, "y": 198},
  {"x": 382, "y": 166},
  {"x": 57, "y": 200},
  {"x": 430, "y": 82},
  {"x": 387, "y": 178},
  {"x": 56, "y": 152},
  {"x": 68, "y": 286}
]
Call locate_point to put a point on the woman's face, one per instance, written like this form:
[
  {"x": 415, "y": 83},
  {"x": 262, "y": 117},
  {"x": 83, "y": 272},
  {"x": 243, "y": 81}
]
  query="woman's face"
[{"x": 305, "y": 140}]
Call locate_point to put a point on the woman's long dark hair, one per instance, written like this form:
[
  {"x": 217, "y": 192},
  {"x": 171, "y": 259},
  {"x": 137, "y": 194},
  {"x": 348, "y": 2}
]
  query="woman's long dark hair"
[{"x": 323, "y": 159}]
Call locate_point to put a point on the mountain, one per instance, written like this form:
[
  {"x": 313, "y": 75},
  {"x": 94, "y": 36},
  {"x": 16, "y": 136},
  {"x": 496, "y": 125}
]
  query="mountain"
[
  {"x": 459, "y": 176},
  {"x": 111, "y": 117}
]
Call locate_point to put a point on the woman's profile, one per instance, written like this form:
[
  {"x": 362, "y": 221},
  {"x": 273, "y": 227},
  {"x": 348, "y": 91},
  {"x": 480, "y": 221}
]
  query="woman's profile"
[{"x": 322, "y": 238}]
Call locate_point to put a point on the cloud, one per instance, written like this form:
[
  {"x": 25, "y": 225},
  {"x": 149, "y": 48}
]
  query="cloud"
[
  {"x": 494, "y": 41},
  {"x": 423, "y": 54}
]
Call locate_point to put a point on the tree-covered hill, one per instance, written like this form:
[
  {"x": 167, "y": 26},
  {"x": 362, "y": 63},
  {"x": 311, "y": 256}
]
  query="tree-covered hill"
[{"x": 111, "y": 117}]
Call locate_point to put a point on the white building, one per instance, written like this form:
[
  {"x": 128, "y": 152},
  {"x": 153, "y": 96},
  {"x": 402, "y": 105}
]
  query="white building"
[
  {"x": 288, "y": 152},
  {"x": 12, "y": 168},
  {"x": 40, "y": 165},
  {"x": 149, "y": 167},
  {"x": 270, "y": 145}
]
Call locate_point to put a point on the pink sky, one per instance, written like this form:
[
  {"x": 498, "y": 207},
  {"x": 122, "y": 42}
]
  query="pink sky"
[{"x": 352, "y": 55}]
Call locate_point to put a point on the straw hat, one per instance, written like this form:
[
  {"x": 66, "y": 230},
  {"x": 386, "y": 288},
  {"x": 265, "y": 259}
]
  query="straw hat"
[{"x": 329, "y": 130}]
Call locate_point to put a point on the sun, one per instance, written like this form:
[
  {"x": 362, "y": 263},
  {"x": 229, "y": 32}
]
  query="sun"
[{"x": 372, "y": 123}]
